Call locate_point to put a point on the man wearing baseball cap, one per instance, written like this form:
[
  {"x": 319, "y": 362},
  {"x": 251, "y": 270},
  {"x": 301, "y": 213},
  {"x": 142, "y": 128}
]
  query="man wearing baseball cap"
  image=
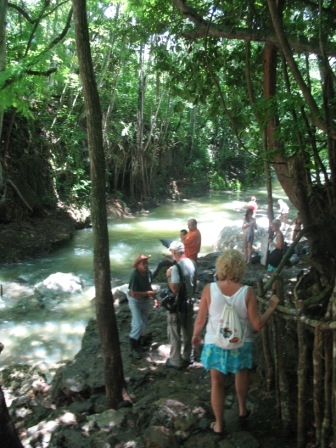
[
  {"x": 180, "y": 324},
  {"x": 140, "y": 294}
]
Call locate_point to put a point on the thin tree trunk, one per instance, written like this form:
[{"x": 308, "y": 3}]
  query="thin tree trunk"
[
  {"x": 316, "y": 115},
  {"x": 3, "y": 8},
  {"x": 268, "y": 358},
  {"x": 333, "y": 366},
  {"x": 318, "y": 384},
  {"x": 283, "y": 384},
  {"x": 276, "y": 367},
  {"x": 328, "y": 391},
  {"x": 106, "y": 319},
  {"x": 302, "y": 385}
]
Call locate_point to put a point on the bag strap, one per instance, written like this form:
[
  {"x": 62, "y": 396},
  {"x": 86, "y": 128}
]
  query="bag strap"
[
  {"x": 227, "y": 302},
  {"x": 179, "y": 297},
  {"x": 182, "y": 278},
  {"x": 243, "y": 288}
]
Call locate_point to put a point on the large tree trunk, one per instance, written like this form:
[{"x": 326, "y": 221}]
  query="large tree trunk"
[
  {"x": 316, "y": 204},
  {"x": 106, "y": 319},
  {"x": 8, "y": 435}
]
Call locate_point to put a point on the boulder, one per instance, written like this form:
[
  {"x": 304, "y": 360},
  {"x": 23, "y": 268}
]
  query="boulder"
[{"x": 59, "y": 284}]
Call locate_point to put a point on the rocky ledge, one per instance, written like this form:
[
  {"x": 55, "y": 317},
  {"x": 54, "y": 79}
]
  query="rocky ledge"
[
  {"x": 170, "y": 408},
  {"x": 23, "y": 240}
]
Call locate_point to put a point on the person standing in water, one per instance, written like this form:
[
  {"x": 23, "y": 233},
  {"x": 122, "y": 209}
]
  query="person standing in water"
[
  {"x": 283, "y": 212},
  {"x": 249, "y": 226},
  {"x": 252, "y": 204}
]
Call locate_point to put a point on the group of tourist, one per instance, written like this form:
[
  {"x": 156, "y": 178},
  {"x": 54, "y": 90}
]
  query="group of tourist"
[
  {"x": 276, "y": 241},
  {"x": 185, "y": 334},
  {"x": 184, "y": 254}
]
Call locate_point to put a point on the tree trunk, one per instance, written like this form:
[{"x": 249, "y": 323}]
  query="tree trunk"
[
  {"x": 8, "y": 434},
  {"x": 302, "y": 373},
  {"x": 106, "y": 319},
  {"x": 3, "y": 7}
]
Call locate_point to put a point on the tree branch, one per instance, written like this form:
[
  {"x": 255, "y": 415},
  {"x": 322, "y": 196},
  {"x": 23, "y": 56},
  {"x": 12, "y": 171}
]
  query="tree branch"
[
  {"x": 210, "y": 29},
  {"x": 41, "y": 73},
  {"x": 288, "y": 55}
]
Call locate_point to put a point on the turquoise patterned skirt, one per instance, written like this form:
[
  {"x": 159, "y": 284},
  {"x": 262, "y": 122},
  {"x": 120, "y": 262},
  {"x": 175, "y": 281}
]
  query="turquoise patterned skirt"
[
  {"x": 227, "y": 361},
  {"x": 271, "y": 268}
]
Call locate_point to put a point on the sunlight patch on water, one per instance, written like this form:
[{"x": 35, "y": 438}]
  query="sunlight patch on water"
[
  {"x": 47, "y": 341},
  {"x": 79, "y": 251},
  {"x": 121, "y": 226}
]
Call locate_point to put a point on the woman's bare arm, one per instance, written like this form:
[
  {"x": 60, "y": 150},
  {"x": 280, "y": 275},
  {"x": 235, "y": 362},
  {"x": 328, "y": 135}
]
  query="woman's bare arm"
[
  {"x": 201, "y": 315},
  {"x": 258, "y": 320}
]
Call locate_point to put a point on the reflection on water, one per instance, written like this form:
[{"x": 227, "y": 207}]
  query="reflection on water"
[{"x": 54, "y": 332}]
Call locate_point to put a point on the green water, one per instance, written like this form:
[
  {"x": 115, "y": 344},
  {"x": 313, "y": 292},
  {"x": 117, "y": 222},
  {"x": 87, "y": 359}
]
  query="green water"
[{"x": 53, "y": 333}]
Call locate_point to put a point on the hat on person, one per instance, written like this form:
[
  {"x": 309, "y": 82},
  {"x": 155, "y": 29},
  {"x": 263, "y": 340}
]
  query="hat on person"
[
  {"x": 176, "y": 246},
  {"x": 277, "y": 222},
  {"x": 139, "y": 259}
]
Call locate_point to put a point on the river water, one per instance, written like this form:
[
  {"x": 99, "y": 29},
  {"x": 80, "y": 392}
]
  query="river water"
[{"x": 52, "y": 332}]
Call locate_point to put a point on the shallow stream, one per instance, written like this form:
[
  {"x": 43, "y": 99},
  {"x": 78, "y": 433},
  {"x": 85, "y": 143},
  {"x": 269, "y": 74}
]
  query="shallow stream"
[{"x": 53, "y": 331}]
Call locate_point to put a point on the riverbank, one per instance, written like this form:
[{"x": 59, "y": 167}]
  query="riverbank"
[
  {"x": 63, "y": 404},
  {"x": 170, "y": 408},
  {"x": 39, "y": 236}
]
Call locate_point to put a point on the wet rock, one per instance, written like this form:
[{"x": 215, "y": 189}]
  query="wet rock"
[
  {"x": 159, "y": 437},
  {"x": 120, "y": 295},
  {"x": 109, "y": 418},
  {"x": 22, "y": 240},
  {"x": 59, "y": 284}
]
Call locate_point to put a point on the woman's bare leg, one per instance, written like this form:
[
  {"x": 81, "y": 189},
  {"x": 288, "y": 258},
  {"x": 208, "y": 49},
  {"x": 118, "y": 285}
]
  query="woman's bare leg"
[
  {"x": 242, "y": 386},
  {"x": 245, "y": 246},
  {"x": 249, "y": 251},
  {"x": 217, "y": 398}
]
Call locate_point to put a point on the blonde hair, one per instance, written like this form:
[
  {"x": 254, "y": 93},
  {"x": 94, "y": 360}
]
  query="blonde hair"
[{"x": 230, "y": 265}]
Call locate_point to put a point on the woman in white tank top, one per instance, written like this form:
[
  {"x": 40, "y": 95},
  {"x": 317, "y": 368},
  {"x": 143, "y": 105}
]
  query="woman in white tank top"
[{"x": 230, "y": 269}]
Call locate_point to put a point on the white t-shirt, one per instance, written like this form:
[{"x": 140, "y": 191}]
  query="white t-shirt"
[
  {"x": 189, "y": 271},
  {"x": 283, "y": 208}
]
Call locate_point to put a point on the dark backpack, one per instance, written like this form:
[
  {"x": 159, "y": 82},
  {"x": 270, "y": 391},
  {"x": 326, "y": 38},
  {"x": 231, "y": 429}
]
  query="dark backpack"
[
  {"x": 182, "y": 299},
  {"x": 176, "y": 303}
]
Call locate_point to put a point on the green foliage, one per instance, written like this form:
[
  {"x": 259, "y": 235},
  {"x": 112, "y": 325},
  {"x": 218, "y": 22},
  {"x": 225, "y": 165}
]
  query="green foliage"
[
  {"x": 217, "y": 183},
  {"x": 196, "y": 120}
]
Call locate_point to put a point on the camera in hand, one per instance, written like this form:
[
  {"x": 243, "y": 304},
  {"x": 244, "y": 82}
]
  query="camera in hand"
[{"x": 168, "y": 300}]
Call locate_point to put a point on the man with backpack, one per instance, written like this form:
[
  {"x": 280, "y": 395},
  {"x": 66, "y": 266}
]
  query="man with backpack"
[{"x": 181, "y": 278}]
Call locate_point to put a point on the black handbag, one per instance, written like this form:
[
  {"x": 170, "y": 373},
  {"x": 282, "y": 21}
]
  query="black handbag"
[{"x": 275, "y": 257}]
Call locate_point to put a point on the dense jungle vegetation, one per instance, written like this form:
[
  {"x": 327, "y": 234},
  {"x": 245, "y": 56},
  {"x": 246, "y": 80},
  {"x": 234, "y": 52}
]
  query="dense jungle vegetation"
[
  {"x": 158, "y": 130},
  {"x": 199, "y": 93}
]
